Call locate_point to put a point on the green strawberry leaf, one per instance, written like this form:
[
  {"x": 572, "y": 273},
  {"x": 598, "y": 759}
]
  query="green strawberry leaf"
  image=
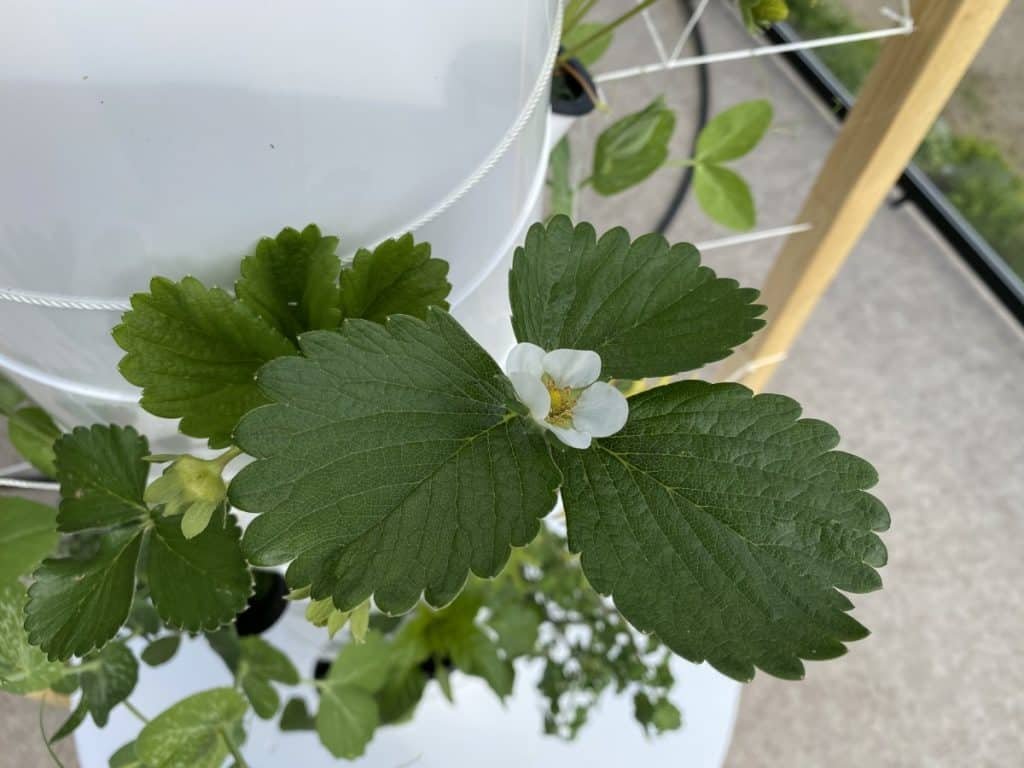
[
  {"x": 191, "y": 734},
  {"x": 648, "y": 309},
  {"x": 195, "y": 352},
  {"x": 397, "y": 277},
  {"x": 109, "y": 678},
  {"x": 23, "y": 667},
  {"x": 734, "y": 132},
  {"x": 632, "y": 148},
  {"x": 725, "y": 524},
  {"x": 32, "y": 431},
  {"x": 467, "y": 478},
  {"x": 292, "y": 281},
  {"x": 75, "y": 604},
  {"x": 102, "y": 477},
  {"x": 28, "y": 533},
  {"x": 161, "y": 650},
  {"x": 724, "y": 196},
  {"x": 199, "y": 583}
]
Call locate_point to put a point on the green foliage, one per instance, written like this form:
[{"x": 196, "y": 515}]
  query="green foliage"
[
  {"x": 647, "y": 308},
  {"x": 348, "y": 713},
  {"x": 762, "y": 13},
  {"x": 724, "y": 196},
  {"x": 467, "y": 478},
  {"x": 23, "y": 668},
  {"x": 590, "y": 53},
  {"x": 161, "y": 650},
  {"x": 730, "y": 555},
  {"x": 28, "y": 533},
  {"x": 295, "y": 717},
  {"x": 632, "y": 148},
  {"x": 559, "y": 179},
  {"x": 193, "y": 732},
  {"x": 32, "y": 431},
  {"x": 259, "y": 665},
  {"x": 108, "y": 678}
]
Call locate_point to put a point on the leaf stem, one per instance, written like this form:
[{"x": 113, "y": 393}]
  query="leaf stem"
[
  {"x": 42, "y": 732},
  {"x": 235, "y": 753},
  {"x": 564, "y": 57},
  {"x": 134, "y": 710},
  {"x": 227, "y": 457}
]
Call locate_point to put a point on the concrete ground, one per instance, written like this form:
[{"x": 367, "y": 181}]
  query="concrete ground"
[{"x": 920, "y": 371}]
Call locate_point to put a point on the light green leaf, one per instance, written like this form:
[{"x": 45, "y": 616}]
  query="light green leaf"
[
  {"x": 364, "y": 665},
  {"x": 23, "y": 668},
  {"x": 724, "y": 196},
  {"x": 592, "y": 52},
  {"x": 359, "y": 621},
  {"x": 734, "y": 132},
  {"x": 292, "y": 281},
  {"x": 262, "y": 695},
  {"x": 648, "y": 309},
  {"x": 295, "y": 716},
  {"x": 11, "y": 396},
  {"x": 397, "y": 277},
  {"x": 762, "y": 13},
  {"x": 632, "y": 148},
  {"x": 191, "y": 733},
  {"x": 559, "y": 179},
  {"x": 109, "y": 679},
  {"x": 726, "y": 525},
  {"x": 76, "y": 605},
  {"x": 264, "y": 660},
  {"x": 102, "y": 477},
  {"x": 466, "y": 477},
  {"x": 32, "y": 432},
  {"x": 666, "y": 717},
  {"x": 516, "y": 625},
  {"x": 200, "y": 583},
  {"x": 195, "y": 351},
  {"x": 346, "y": 720},
  {"x": 161, "y": 650},
  {"x": 125, "y": 757},
  {"x": 28, "y": 533}
]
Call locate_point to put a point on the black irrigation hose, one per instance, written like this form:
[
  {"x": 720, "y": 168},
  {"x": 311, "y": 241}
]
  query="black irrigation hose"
[{"x": 703, "y": 106}]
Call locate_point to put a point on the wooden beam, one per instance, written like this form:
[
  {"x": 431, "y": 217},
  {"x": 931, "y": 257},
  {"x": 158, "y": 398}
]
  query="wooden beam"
[{"x": 904, "y": 94}]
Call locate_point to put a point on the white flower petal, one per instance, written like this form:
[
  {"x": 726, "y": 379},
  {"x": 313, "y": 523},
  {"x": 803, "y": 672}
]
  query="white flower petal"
[
  {"x": 601, "y": 410},
  {"x": 526, "y": 358},
  {"x": 571, "y": 437},
  {"x": 532, "y": 393},
  {"x": 576, "y": 368}
]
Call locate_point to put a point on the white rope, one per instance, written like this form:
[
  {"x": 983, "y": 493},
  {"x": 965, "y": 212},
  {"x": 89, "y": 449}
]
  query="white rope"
[{"x": 539, "y": 92}]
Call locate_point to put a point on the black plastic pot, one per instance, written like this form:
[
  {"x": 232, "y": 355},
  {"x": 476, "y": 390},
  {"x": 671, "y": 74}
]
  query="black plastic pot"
[
  {"x": 266, "y": 605},
  {"x": 568, "y": 94}
]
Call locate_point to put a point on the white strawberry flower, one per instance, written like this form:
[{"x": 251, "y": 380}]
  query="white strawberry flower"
[{"x": 563, "y": 394}]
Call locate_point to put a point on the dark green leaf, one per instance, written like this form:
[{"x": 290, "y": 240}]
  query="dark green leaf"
[
  {"x": 260, "y": 662},
  {"x": 195, "y": 352},
  {"x": 466, "y": 478},
  {"x": 296, "y": 717},
  {"x": 125, "y": 757},
  {"x": 724, "y": 196},
  {"x": 398, "y": 698},
  {"x": 559, "y": 179},
  {"x": 724, "y": 524},
  {"x": 734, "y": 132},
  {"x": 591, "y": 52},
  {"x": 226, "y": 643},
  {"x": 32, "y": 432},
  {"x": 633, "y": 148},
  {"x": 161, "y": 650},
  {"x": 77, "y": 605},
  {"x": 70, "y": 725},
  {"x": 23, "y": 667},
  {"x": 191, "y": 733},
  {"x": 143, "y": 618},
  {"x": 475, "y": 654},
  {"x": 109, "y": 678},
  {"x": 648, "y": 309},
  {"x": 28, "y": 533},
  {"x": 102, "y": 477},
  {"x": 397, "y": 277},
  {"x": 262, "y": 696},
  {"x": 200, "y": 583},
  {"x": 292, "y": 281},
  {"x": 11, "y": 396}
]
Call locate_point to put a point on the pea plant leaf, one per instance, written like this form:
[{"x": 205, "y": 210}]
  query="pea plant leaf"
[
  {"x": 32, "y": 431},
  {"x": 466, "y": 479},
  {"x": 28, "y": 533},
  {"x": 348, "y": 713},
  {"x": 292, "y": 281},
  {"x": 191, "y": 734},
  {"x": 724, "y": 196},
  {"x": 725, "y": 524},
  {"x": 109, "y": 678},
  {"x": 23, "y": 667},
  {"x": 259, "y": 664},
  {"x": 396, "y": 277},
  {"x": 102, "y": 473},
  {"x": 161, "y": 650},
  {"x": 195, "y": 352},
  {"x": 734, "y": 132},
  {"x": 632, "y": 148},
  {"x": 647, "y": 308},
  {"x": 592, "y": 51}
]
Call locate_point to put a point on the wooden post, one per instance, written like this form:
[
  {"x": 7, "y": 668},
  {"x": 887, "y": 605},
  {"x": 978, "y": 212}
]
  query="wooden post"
[{"x": 911, "y": 82}]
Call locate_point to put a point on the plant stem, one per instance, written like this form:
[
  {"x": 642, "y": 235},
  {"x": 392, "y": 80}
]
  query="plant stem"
[
  {"x": 239, "y": 760},
  {"x": 134, "y": 710},
  {"x": 605, "y": 30},
  {"x": 569, "y": 24},
  {"x": 46, "y": 740},
  {"x": 227, "y": 457}
]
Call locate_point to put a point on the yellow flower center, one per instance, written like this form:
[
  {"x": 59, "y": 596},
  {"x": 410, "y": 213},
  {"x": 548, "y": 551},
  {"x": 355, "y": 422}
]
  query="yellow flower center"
[{"x": 563, "y": 400}]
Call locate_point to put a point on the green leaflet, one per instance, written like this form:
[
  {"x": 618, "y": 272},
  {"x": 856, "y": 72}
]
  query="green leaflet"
[
  {"x": 23, "y": 668},
  {"x": 648, "y": 309},
  {"x": 734, "y": 132},
  {"x": 295, "y": 716},
  {"x": 348, "y": 713},
  {"x": 195, "y": 352},
  {"x": 259, "y": 664},
  {"x": 109, "y": 680},
  {"x": 191, "y": 734},
  {"x": 632, "y": 148},
  {"x": 292, "y": 281},
  {"x": 397, "y": 277},
  {"x": 161, "y": 650},
  {"x": 724, "y": 196},
  {"x": 724, "y": 524},
  {"x": 28, "y": 533},
  {"x": 32, "y": 432},
  {"x": 466, "y": 478}
]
